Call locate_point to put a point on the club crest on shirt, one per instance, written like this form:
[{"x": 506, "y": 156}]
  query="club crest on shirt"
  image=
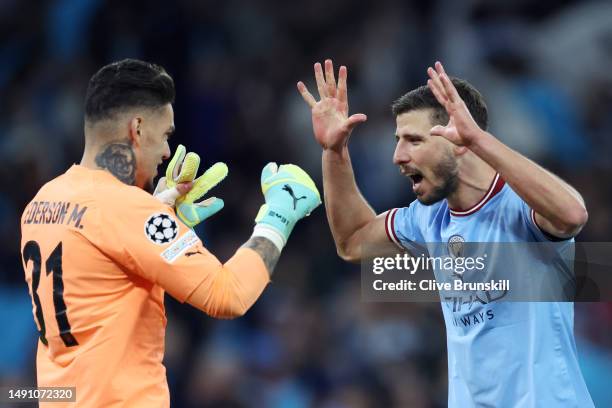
[
  {"x": 161, "y": 229},
  {"x": 456, "y": 245}
]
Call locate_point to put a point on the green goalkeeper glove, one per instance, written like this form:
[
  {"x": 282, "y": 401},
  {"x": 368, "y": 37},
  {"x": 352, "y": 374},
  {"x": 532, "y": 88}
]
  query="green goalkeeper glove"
[
  {"x": 182, "y": 169},
  {"x": 290, "y": 195}
]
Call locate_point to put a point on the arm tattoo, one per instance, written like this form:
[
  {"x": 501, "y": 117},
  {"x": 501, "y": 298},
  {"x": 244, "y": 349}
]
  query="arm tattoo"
[
  {"x": 119, "y": 159},
  {"x": 266, "y": 249}
]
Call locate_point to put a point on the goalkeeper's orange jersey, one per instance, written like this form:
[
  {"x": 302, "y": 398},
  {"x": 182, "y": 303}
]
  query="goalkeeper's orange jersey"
[{"x": 98, "y": 256}]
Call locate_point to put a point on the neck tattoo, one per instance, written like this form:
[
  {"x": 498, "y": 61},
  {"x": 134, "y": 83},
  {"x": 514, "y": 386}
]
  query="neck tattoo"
[{"x": 119, "y": 160}]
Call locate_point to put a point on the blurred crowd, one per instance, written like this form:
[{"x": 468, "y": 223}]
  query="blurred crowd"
[{"x": 543, "y": 68}]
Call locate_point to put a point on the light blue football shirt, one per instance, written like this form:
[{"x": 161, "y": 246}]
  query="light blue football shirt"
[{"x": 500, "y": 354}]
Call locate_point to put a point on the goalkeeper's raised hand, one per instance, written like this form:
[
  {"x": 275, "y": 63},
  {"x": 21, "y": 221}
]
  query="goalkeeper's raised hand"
[
  {"x": 290, "y": 195},
  {"x": 172, "y": 189}
]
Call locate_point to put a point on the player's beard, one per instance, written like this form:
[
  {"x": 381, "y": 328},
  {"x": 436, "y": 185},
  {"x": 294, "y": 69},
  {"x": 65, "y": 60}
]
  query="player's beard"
[{"x": 445, "y": 170}]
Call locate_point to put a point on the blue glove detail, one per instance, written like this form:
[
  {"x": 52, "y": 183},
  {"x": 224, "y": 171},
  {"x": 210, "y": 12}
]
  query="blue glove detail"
[{"x": 290, "y": 195}]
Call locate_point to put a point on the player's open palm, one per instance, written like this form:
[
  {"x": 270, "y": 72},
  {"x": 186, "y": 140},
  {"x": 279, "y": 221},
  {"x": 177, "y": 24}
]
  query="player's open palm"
[
  {"x": 330, "y": 121},
  {"x": 461, "y": 128}
]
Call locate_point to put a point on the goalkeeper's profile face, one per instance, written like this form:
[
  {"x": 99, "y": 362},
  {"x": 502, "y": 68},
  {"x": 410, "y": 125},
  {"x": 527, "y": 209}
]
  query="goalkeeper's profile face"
[
  {"x": 153, "y": 128},
  {"x": 427, "y": 160}
]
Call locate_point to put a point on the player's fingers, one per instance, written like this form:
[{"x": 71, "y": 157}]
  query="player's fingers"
[
  {"x": 437, "y": 130},
  {"x": 175, "y": 163},
  {"x": 434, "y": 77},
  {"x": 439, "y": 68},
  {"x": 208, "y": 202},
  {"x": 188, "y": 168},
  {"x": 436, "y": 86},
  {"x": 330, "y": 79},
  {"x": 268, "y": 171},
  {"x": 354, "y": 120},
  {"x": 436, "y": 91},
  {"x": 211, "y": 177},
  {"x": 320, "y": 80},
  {"x": 212, "y": 203},
  {"x": 449, "y": 88},
  {"x": 170, "y": 195},
  {"x": 184, "y": 188},
  {"x": 208, "y": 207},
  {"x": 342, "y": 90},
  {"x": 306, "y": 95}
]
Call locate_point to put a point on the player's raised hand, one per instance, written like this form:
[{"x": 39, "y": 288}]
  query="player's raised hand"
[
  {"x": 461, "y": 128},
  {"x": 330, "y": 121},
  {"x": 290, "y": 195},
  {"x": 179, "y": 176},
  {"x": 180, "y": 188}
]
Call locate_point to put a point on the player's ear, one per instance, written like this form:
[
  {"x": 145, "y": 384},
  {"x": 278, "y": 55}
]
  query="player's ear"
[{"x": 135, "y": 131}]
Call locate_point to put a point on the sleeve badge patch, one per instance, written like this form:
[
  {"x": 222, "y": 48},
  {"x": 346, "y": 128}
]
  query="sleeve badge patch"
[
  {"x": 174, "y": 251},
  {"x": 161, "y": 229}
]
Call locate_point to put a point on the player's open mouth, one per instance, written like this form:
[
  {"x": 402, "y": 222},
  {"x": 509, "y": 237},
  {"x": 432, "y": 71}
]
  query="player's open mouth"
[{"x": 416, "y": 180}]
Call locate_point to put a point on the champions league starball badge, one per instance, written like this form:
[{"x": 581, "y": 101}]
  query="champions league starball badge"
[{"x": 161, "y": 229}]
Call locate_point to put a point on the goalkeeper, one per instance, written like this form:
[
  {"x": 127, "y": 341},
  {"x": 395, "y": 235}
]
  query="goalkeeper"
[{"x": 113, "y": 249}]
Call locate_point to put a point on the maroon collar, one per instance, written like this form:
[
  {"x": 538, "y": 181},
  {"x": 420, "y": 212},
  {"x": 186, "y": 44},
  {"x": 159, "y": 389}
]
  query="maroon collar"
[{"x": 496, "y": 185}]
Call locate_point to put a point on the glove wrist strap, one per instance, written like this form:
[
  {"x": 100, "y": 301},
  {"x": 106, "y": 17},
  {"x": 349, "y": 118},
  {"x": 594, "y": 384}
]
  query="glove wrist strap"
[{"x": 270, "y": 233}]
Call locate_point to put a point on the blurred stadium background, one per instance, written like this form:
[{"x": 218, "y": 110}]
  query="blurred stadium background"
[{"x": 543, "y": 67}]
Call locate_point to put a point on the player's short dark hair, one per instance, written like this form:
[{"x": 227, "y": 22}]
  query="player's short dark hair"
[
  {"x": 423, "y": 98},
  {"x": 127, "y": 84}
]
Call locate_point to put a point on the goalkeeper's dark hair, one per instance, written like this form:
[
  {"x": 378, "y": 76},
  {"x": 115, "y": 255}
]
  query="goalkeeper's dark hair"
[
  {"x": 423, "y": 98},
  {"x": 128, "y": 84}
]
